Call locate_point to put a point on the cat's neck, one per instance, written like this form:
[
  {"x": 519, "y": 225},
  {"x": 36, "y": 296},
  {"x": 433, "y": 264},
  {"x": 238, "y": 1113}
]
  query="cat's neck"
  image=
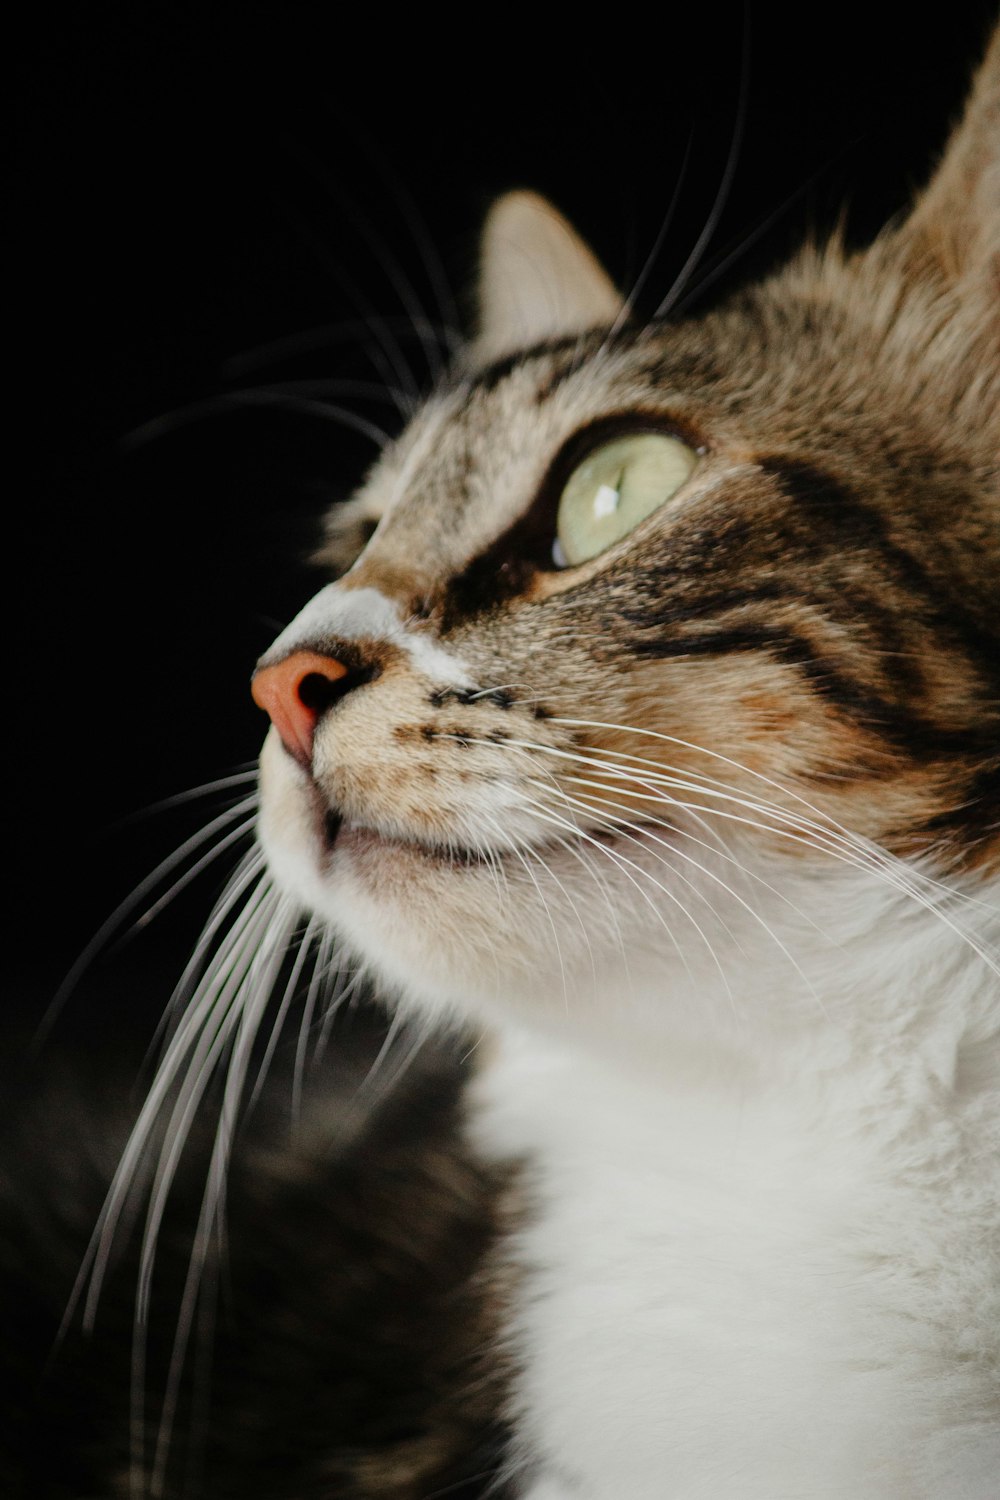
[
  {"x": 824, "y": 1006},
  {"x": 723, "y": 1233},
  {"x": 718, "y": 1250}
]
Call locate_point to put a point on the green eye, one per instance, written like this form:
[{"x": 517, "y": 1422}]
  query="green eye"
[{"x": 614, "y": 489}]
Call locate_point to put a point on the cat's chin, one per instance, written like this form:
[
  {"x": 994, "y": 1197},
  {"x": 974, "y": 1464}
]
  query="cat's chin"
[
  {"x": 442, "y": 926},
  {"x": 422, "y": 916}
]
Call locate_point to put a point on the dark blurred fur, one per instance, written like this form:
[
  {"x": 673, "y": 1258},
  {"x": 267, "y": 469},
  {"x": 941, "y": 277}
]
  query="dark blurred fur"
[{"x": 355, "y": 1304}]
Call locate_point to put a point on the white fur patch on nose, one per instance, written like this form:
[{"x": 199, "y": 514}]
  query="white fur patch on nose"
[{"x": 342, "y": 614}]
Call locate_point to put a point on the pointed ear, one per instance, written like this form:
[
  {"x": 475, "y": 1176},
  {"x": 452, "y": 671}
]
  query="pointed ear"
[
  {"x": 955, "y": 226},
  {"x": 537, "y": 279}
]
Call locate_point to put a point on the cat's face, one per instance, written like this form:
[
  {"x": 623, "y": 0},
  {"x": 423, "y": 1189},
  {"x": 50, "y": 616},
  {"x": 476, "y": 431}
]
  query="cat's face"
[{"x": 652, "y": 619}]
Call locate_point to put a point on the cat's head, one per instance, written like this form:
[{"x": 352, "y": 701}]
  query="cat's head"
[{"x": 660, "y": 624}]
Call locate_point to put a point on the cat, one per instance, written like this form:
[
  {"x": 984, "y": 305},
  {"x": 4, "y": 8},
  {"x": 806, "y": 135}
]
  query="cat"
[
  {"x": 656, "y": 733},
  {"x": 645, "y": 750}
]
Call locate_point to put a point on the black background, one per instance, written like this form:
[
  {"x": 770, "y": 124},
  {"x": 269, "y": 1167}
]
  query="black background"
[{"x": 191, "y": 185}]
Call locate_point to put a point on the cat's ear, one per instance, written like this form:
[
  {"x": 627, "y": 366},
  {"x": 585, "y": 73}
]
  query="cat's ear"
[
  {"x": 954, "y": 229},
  {"x": 537, "y": 279}
]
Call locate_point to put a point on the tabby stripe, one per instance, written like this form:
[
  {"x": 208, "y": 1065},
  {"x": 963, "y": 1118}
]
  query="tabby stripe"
[
  {"x": 833, "y": 505},
  {"x": 842, "y": 606},
  {"x": 855, "y": 699},
  {"x": 577, "y": 346},
  {"x": 976, "y": 819}
]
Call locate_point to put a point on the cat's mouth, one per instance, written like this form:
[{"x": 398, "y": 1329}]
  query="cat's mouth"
[
  {"x": 341, "y": 835},
  {"x": 363, "y": 841}
]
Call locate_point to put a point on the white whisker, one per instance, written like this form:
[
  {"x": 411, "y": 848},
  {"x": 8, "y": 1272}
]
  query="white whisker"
[
  {"x": 135, "y": 899},
  {"x": 626, "y": 864},
  {"x": 907, "y": 879},
  {"x": 640, "y": 834},
  {"x": 346, "y": 986},
  {"x": 271, "y": 933},
  {"x": 679, "y": 831}
]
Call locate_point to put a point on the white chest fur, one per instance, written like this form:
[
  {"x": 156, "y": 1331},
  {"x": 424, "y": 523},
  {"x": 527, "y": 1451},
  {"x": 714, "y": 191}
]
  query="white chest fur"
[{"x": 729, "y": 1291}]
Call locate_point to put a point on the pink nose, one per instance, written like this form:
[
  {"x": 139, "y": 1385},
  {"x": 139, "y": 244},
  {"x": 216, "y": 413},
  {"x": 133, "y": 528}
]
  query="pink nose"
[{"x": 294, "y": 692}]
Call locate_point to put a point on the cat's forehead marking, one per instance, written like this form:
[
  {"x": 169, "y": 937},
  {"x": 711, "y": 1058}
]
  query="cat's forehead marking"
[
  {"x": 478, "y": 452},
  {"x": 365, "y": 614}
]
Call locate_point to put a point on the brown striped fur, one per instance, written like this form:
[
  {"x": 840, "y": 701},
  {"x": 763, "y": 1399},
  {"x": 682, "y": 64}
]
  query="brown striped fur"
[{"x": 823, "y": 608}]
